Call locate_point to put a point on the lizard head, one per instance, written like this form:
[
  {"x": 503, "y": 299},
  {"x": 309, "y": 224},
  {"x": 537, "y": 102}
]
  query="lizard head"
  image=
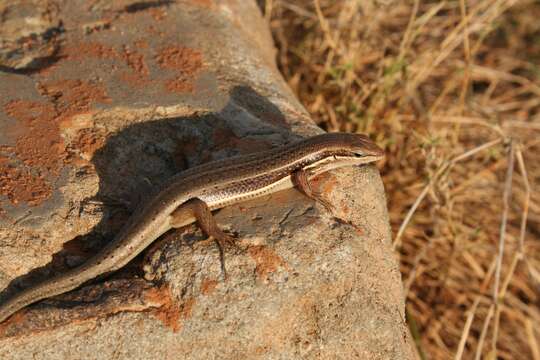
[
  {"x": 361, "y": 147},
  {"x": 344, "y": 149}
]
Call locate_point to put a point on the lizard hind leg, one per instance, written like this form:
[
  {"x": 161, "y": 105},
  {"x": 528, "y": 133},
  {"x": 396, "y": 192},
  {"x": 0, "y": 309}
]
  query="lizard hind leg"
[{"x": 198, "y": 209}]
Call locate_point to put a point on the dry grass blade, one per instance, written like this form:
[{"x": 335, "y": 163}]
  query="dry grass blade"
[
  {"x": 442, "y": 169},
  {"x": 497, "y": 297},
  {"x": 467, "y": 329},
  {"x": 483, "y": 333},
  {"x": 526, "y": 201},
  {"x": 408, "y": 217},
  {"x": 535, "y": 350},
  {"x": 324, "y": 25}
]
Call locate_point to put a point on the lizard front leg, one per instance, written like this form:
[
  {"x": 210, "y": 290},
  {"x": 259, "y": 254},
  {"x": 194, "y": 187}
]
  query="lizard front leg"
[{"x": 300, "y": 179}]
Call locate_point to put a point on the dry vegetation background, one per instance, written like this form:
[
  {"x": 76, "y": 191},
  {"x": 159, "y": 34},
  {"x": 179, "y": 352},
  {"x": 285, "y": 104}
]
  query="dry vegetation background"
[{"x": 451, "y": 89}]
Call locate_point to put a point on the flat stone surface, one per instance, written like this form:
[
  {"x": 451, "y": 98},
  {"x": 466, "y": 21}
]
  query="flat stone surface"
[{"x": 101, "y": 102}]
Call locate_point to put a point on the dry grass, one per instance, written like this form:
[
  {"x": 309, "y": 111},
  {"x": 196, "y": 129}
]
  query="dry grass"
[{"x": 451, "y": 89}]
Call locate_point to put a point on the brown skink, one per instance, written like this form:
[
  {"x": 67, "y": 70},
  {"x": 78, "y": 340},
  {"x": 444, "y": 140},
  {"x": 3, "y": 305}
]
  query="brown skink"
[{"x": 192, "y": 194}]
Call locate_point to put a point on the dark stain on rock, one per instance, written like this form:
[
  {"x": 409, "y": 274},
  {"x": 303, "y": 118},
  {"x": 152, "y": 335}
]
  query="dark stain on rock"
[
  {"x": 80, "y": 51},
  {"x": 266, "y": 260},
  {"x": 37, "y": 156},
  {"x": 185, "y": 61},
  {"x": 169, "y": 313},
  {"x": 34, "y": 163},
  {"x": 208, "y": 286},
  {"x": 145, "y": 5}
]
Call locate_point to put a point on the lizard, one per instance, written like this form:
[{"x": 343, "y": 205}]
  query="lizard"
[{"x": 191, "y": 196}]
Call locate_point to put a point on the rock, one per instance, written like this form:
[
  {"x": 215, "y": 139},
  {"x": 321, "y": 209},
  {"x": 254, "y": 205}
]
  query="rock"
[{"x": 135, "y": 92}]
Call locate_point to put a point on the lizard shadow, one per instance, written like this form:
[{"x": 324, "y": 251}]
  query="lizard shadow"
[{"x": 140, "y": 157}]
